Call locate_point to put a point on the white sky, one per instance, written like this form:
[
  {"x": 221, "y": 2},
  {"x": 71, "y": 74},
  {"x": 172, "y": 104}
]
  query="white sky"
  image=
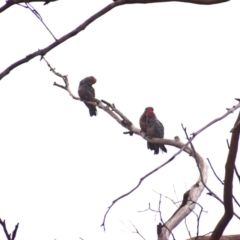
[{"x": 61, "y": 169}]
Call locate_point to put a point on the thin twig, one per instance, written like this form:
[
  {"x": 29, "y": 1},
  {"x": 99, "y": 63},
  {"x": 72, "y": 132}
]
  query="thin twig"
[
  {"x": 160, "y": 216},
  {"x": 63, "y": 38},
  {"x": 185, "y": 222},
  {"x": 198, "y": 221},
  {"x": 211, "y": 193},
  {"x": 148, "y": 209},
  {"x": 64, "y": 78},
  {"x": 234, "y": 198},
  {"x": 170, "y": 199},
  {"x": 229, "y": 110},
  {"x": 83, "y": 26},
  {"x": 35, "y": 12},
  {"x": 137, "y": 231},
  {"x": 236, "y": 172},
  {"x": 229, "y": 172},
  {"x": 139, "y": 183},
  {"x": 215, "y": 172},
  {"x": 203, "y": 2},
  {"x": 10, "y": 3},
  {"x": 175, "y": 192}
]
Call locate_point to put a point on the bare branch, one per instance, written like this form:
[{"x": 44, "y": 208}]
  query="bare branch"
[
  {"x": 10, "y": 3},
  {"x": 196, "y": 189},
  {"x": 170, "y": 199},
  {"x": 161, "y": 219},
  {"x": 8, "y": 235},
  {"x": 236, "y": 172},
  {"x": 64, "y": 78},
  {"x": 234, "y": 198},
  {"x": 63, "y": 38},
  {"x": 229, "y": 110},
  {"x": 83, "y": 25},
  {"x": 149, "y": 209},
  {"x": 28, "y": 1},
  {"x": 228, "y": 204},
  {"x": 189, "y": 233},
  {"x": 198, "y": 221},
  {"x": 203, "y": 2},
  {"x": 35, "y": 12},
  {"x": 211, "y": 193},
  {"x": 215, "y": 172},
  {"x": 175, "y": 192},
  {"x": 137, "y": 231}
]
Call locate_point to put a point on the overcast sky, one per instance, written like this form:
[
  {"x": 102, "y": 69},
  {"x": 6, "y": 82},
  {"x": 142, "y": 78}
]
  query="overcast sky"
[{"x": 60, "y": 168}]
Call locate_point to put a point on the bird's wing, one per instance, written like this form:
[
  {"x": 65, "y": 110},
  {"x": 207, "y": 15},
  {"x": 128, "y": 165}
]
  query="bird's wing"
[
  {"x": 159, "y": 129},
  {"x": 91, "y": 91}
]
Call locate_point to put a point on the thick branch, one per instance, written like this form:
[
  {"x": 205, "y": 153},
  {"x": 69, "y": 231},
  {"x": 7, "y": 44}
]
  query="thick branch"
[
  {"x": 9, "y": 236},
  {"x": 62, "y": 39},
  {"x": 229, "y": 172},
  {"x": 5, "y": 6},
  {"x": 204, "y": 2},
  {"x": 83, "y": 25}
]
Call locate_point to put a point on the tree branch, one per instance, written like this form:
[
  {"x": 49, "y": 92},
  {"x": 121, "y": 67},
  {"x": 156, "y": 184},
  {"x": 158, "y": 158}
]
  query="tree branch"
[
  {"x": 10, "y": 3},
  {"x": 234, "y": 198},
  {"x": 8, "y": 235},
  {"x": 196, "y": 189},
  {"x": 63, "y": 38},
  {"x": 83, "y": 25},
  {"x": 136, "y": 231},
  {"x": 215, "y": 172},
  {"x": 202, "y": 2},
  {"x": 236, "y": 172},
  {"x": 35, "y": 12},
  {"x": 229, "y": 172}
]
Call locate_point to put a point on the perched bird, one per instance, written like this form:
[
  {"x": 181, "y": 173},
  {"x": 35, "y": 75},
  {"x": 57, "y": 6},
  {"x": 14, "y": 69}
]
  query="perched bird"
[
  {"x": 86, "y": 92},
  {"x": 155, "y": 129},
  {"x": 142, "y": 120}
]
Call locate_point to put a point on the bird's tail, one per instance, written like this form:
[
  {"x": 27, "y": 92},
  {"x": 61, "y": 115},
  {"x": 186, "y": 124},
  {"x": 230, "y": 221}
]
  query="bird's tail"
[
  {"x": 163, "y": 148},
  {"x": 92, "y": 111},
  {"x": 153, "y": 147}
]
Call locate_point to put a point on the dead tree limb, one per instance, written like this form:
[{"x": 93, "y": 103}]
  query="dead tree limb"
[
  {"x": 82, "y": 26},
  {"x": 9, "y": 236},
  {"x": 202, "y": 2},
  {"x": 196, "y": 189},
  {"x": 10, "y": 3},
  {"x": 229, "y": 172}
]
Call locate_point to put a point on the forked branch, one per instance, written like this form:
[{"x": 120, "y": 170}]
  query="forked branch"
[
  {"x": 82, "y": 26},
  {"x": 196, "y": 189},
  {"x": 229, "y": 172},
  {"x": 9, "y": 236}
]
